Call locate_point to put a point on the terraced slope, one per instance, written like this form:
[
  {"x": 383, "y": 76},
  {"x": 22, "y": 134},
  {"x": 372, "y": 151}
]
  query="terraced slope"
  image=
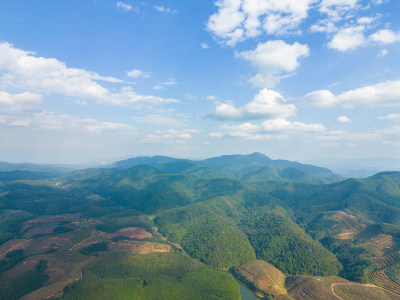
[
  {"x": 334, "y": 288},
  {"x": 263, "y": 277}
]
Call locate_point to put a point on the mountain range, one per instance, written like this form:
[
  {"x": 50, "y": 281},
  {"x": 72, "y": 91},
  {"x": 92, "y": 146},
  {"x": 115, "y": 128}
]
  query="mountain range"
[{"x": 234, "y": 212}]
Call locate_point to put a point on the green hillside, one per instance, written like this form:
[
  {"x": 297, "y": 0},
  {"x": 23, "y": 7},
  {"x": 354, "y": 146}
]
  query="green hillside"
[
  {"x": 152, "y": 276},
  {"x": 213, "y": 239},
  {"x": 349, "y": 228},
  {"x": 279, "y": 241}
]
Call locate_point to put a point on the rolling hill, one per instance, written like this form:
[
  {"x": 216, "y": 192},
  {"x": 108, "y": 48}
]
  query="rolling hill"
[{"x": 281, "y": 215}]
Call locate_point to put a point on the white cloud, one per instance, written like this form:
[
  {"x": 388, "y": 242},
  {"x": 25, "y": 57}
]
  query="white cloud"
[
  {"x": 385, "y": 36},
  {"x": 348, "y": 39},
  {"x": 320, "y": 98},
  {"x": 21, "y": 100},
  {"x": 170, "y": 136},
  {"x": 237, "y": 20},
  {"x": 204, "y": 46},
  {"x": 163, "y": 84},
  {"x": 390, "y": 117},
  {"x": 379, "y": 2},
  {"x": 270, "y": 129},
  {"x": 326, "y": 26},
  {"x": 62, "y": 122},
  {"x": 169, "y": 82},
  {"x": 127, "y": 97},
  {"x": 266, "y": 104},
  {"x": 285, "y": 125},
  {"x": 335, "y": 9},
  {"x": 381, "y": 94},
  {"x": 137, "y": 73},
  {"x": 164, "y": 9},
  {"x": 273, "y": 58},
  {"x": 365, "y": 20},
  {"x": 343, "y": 119},
  {"x": 21, "y": 70},
  {"x": 386, "y": 134},
  {"x": 211, "y": 98},
  {"x": 160, "y": 120},
  {"x": 123, "y": 6},
  {"x": 383, "y": 53}
]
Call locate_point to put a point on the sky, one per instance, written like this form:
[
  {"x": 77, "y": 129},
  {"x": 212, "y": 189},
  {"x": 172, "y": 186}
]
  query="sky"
[{"x": 84, "y": 81}]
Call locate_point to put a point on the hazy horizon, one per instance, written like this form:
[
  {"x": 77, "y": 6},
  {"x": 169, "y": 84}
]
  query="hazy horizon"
[{"x": 98, "y": 81}]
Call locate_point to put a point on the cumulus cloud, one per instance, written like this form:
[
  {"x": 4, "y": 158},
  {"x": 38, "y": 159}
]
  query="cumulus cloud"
[
  {"x": 171, "y": 136},
  {"x": 21, "y": 100},
  {"x": 51, "y": 121},
  {"x": 124, "y": 6},
  {"x": 164, "y": 9},
  {"x": 285, "y": 125},
  {"x": 326, "y": 26},
  {"x": 204, "y": 46},
  {"x": 385, "y": 134},
  {"x": 275, "y": 128},
  {"x": 381, "y": 94},
  {"x": 385, "y": 36},
  {"x": 390, "y": 117},
  {"x": 343, "y": 119},
  {"x": 127, "y": 97},
  {"x": 237, "y": 20},
  {"x": 335, "y": 9},
  {"x": 365, "y": 20},
  {"x": 266, "y": 104},
  {"x": 348, "y": 38},
  {"x": 21, "y": 70},
  {"x": 273, "y": 59},
  {"x": 135, "y": 73}
]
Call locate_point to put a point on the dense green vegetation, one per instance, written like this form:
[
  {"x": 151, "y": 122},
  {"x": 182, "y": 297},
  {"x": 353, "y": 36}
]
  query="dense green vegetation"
[
  {"x": 10, "y": 222},
  {"x": 127, "y": 218},
  {"x": 257, "y": 166},
  {"x": 207, "y": 236},
  {"x": 93, "y": 248},
  {"x": 354, "y": 259},
  {"x": 152, "y": 276},
  {"x": 224, "y": 212},
  {"x": 282, "y": 243}
]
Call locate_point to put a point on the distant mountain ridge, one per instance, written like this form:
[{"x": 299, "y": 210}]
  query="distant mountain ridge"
[
  {"x": 255, "y": 166},
  {"x": 144, "y": 160},
  {"x": 53, "y": 169}
]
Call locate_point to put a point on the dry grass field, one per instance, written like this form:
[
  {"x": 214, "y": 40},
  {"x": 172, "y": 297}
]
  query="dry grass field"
[{"x": 266, "y": 278}]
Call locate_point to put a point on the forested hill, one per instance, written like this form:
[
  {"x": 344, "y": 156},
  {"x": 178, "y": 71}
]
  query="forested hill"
[
  {"x": 250, "y": 167},
  {"x": 349, "y": 228}
]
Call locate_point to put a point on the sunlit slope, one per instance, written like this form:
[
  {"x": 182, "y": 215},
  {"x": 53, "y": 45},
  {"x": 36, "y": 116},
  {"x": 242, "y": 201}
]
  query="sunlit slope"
[{"x": 257, "y": 166}]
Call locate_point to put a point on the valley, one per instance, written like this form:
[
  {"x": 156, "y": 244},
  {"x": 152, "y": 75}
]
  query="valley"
[{"x": 176, "y": 228}]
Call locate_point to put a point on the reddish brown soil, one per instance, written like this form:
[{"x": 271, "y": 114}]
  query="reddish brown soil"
[
  {"x": 12, "y": 245},
  {"x": 138, "y": 247},
  {"x": 39, "y": 230},
  {"x": 130, "y": 232}
]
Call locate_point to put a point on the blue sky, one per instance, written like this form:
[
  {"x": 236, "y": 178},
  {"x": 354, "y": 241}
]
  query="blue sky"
[{"x": 93, "y": 81}]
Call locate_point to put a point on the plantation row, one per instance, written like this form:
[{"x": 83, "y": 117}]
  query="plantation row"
[
  {"x": 381, "y": 242},
  {"x": 380, "y": 278},
  {"x": 384, "y": 262},
  {"x": 367, "y": 234}
]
